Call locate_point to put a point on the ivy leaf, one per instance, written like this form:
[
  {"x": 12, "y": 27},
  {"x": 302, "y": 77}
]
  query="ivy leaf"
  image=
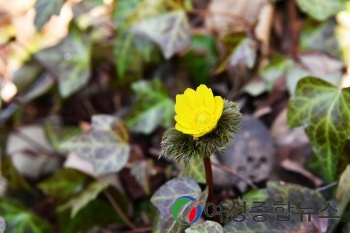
[
  {"x": 141, "y": 171},
  {"x": 85, "y": 197},
  {"x": 152, "y": 107},
  {"x": 69, "y": 61},
  {"x": 19, "y": 219},
  {"x": 87, "y": 218},
  {"x": 123, "y": 10},
  {"x": 105, "y": 145},
  {"x": 324, "y": 111},
  {"x": 44, "y": 10},
  {"x": 275, "y": 69},
  {"x": 241, "y": 51},
  {"x": 2, "y": 225},
  {"x": 320, "y": 37},
  {"x": 201, "y": 58},
  {"x": 207, "y": 227},
  {"x": 168, "y": 193},
  {"x": 171, "y": 31},
  {"x": 284, "y": 193},
  {"x": 194, "y": 170},
  {"x": 14, "y": 180},
  {"x": 63, "y": 184},
  {"x": 321, "y": 9},
  {"x": 343, "y": 192}
]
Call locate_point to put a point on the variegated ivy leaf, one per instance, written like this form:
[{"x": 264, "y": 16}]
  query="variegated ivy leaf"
[
  {"x": 279, "y": 192},
  {"x": 44, "y": 10},
  {"x": 321, "y": 9},
  {"x": 171, "y": 31},
  {"x": 324, "y": 111},
  {"x": 105, "y": 145},
  {"x": 168, "y": 193},
  {"x": 241, "y": 50},
  {"x": 69, "y": 61},
  {"x": 207, "y": 227},
  {"x": 342, "y": 198},
  {"x": 85, "y": 197}
]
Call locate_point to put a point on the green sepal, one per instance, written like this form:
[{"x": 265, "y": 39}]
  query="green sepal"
[{"x": 184, "y": 147}]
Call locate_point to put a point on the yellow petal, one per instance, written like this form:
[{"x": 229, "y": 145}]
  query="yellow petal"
[
  {"x": 183, "y": 129},
  {"x": 207, "y": 96},
  {"x": 219, "y": 107},
  {"x": 193, "y": 99},
  {"x": 183, "y": 120},
  {"x": 199, "y": 134},
  {"x": 181, "y": 105}
]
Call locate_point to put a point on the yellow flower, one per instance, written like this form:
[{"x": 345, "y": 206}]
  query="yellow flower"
[{"x": 198, "y": 112}]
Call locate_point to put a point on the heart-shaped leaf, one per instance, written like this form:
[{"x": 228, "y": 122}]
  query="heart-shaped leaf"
[
  {"x": 321, "y": 9},
  {"x": 324, "y": 111},
  {"x": 19, "y": 219},
  {"x": 69, "y": 61},
  {"x": 168, "y": 193},
  {"x": 171, "y": 31},
  {"x": 85, "y": 197},
  {"x": 64, "y": 184},
  {"x": 44, "y": 10},
  {"x": 152, "y": 107},
  {"x": 105, "y": 145}
]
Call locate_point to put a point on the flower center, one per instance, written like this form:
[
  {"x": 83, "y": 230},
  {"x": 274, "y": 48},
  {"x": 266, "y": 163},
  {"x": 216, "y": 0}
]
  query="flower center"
[{"x": 202, "y": 118}]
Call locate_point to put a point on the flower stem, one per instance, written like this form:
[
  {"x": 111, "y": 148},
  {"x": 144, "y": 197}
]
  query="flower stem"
[
  {"x": 209, "y": 179},
  {"x": 210, "y": 184}
]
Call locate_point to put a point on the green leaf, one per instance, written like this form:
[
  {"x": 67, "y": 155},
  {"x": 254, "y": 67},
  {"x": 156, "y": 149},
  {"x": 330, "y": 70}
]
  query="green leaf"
[
  {"x": 97, "y": 213},
  {"x": 242, "y": 50},
  {"x": 105, "y": 145},
  {"x": 168, "y": 193},
  {"x": 324, "y": 111},
  {"x": 343, "y": 192},
  {"x": 275, "y": 69},
  {"x": 123, "y": 10},
  {"x": 58, "y": 133},
  {"x": 19, "y": 219},
  {"x": 14, "y": 180},
  {"x": 321, "y": 9},
  {"x": 131, "y": 52},
  {"x": 69, "y": 61},
  {"x": 152, "y": 107},
  {"x": 64, "y": 184},
  {"x": 85, "y": 197},
  {"x": 207, "y": 227},
  {"x": 171, "y": 31},
  {"x": 201, "y": 58},
  {"x": 194, "y": 170},
  {"x": 44, "y": 10},
  {"x": 2, "y": 225},
  {"x": 320, "y": 37}
]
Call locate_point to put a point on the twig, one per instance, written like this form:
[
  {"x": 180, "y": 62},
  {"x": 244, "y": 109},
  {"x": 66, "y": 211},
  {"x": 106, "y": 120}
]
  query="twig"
[
  {"x": 230, "y": 171},
  {"x": 118, "y": 210}
]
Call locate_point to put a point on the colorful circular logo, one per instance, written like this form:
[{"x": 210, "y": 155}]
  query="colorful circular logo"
[{"x": 194, "y": 213}]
